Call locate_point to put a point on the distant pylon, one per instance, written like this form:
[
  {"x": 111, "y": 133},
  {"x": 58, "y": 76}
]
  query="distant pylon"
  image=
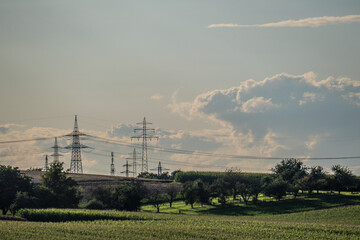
[
  {"x": 112, "y": 167},
  {"x": 144, "y": 136},
  {"x": 76, "y": 164},
  {"x": 46, "y": 163},
  {"x": 127, "y": 171},
  {"x": 56, "y": 151},
  {"x": 134, "y": 164},
  {"x": 160, "y": 169}
]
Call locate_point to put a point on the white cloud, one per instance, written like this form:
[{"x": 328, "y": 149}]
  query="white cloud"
[
  {"x": 310, "y": 97},
  {"x": 258, "y": 104},
  {"x": 353, "y": 97},
  {"x": 306, "y": 22},
  {"x": 156, "y": 97}
]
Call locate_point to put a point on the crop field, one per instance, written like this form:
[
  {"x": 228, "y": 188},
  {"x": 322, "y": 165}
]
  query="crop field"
[{"x": 334, "y": 223}]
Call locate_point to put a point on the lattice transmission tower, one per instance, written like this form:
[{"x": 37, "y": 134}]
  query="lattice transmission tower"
[
  {"x": 145, "y": 136},
  {"x": 127, "y": 171},
  {"x": 112, "y": 166},
  {"x": 46, "y": 166},
  {"x": 76, "y": 164},
  {"x": 56, "y": 153},
  {"x": 160, "y": 169},
  {"x": 134, "y": 163}
]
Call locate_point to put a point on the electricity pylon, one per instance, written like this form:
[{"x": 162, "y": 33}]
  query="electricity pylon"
[
  {"x": 144, "y": 136},
  {"x": 112, "y": 167},
  {"x": 134, "y": 164},
  {"x": 160, "y": 169},
  {"x": 76, "y": 164},
  {"x": 127, "y": 171},
  {"x": 56, "y": 153},
  {"x": 46, "y": 163}
]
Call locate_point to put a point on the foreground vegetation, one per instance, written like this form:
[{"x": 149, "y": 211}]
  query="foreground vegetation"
[{"x": 335, "y": 223}]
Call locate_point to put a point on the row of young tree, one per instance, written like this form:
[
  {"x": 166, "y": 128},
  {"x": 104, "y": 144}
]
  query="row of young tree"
[
  {"x": 56, "y": 190},
  {"x": 290, "y": 176}
]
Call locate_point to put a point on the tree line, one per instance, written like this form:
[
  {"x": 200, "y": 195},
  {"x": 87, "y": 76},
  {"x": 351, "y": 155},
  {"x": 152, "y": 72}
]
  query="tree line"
[
  {"x": 57, "y": 190},
  {"x": 290, "y": 176}
]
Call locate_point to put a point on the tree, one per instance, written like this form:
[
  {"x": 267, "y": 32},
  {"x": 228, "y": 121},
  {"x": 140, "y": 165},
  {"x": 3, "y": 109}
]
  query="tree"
[
  {"x": 189, "y": 193},
  {"x": 127, "y": 196},
  {"x": 171, "y": 193},
  {"x": 232, "y": 177},
  {"x": 157, "y": 200},
  {"x": 63, "y": 189},
  {"x": 314, "y": 180},
  {"x": 11, "y": 182},
  {"x": 202, "y": 192},
  {"x": 220, "y": 189},
  {"x": 291, "y": 171},
  {"x": 22, "y": 200},
  {"x": 343, "y": 178},
  {"x": 276, "y": 189}
]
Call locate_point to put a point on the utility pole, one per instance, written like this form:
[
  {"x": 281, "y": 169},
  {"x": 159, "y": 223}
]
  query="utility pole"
[
  {"x": 160, "y": 169},
  {"x": 46, "y": 163},
  {"x": 127, "y": 169},
  {"x": 76, "y": 164},
  {"x": 112, "y": 167},
  {"x": 56, "y": 151},
  {"x": 145, "y": 135}
]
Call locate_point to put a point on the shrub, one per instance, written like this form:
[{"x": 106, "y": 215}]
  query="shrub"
[{"x": 95, "y": 204}]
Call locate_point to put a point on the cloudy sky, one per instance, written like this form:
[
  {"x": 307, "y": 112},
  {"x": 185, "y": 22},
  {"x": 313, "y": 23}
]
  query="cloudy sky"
[{"x": 248, "y": 78}]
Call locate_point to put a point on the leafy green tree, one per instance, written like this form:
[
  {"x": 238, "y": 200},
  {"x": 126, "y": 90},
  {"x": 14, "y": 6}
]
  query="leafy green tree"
[
  {"x": 63, "y": 189},
  {"x": 202, "y": 190},
  {"x": 171, "y": 193},
  {"x": 22, "y": 200},
  {"x": 220, "y": 190},
  {"x": 276, "y": 189},
  {"x": 233, "y": 176},
  {"x": 157, "y": 200},
  {"x": 314, "y": 180},
  {"x": 11, "y": 182},
  {"x": 189, "y": 193},
  {"x": 149, "y": 175},
  {"x": 291, "y": 171},
  {"x": 343, "y": 178},
  {"x": 127, "y": 196}
]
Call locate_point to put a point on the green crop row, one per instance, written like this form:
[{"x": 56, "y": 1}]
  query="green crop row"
[{"x": 64, "y": 215}]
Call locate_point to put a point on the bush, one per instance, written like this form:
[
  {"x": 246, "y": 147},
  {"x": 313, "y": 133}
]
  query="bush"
[
  {"x": 124, "y": 197},
  {"x": 95, "y": 204},
  {"x": 63, "y": 215}
]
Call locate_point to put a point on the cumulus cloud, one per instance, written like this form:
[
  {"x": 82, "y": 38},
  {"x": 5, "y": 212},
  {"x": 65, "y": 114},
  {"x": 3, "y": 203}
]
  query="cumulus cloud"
[
  {"x": 282, "y": 102},
  {"x": 156, "y": 97},
  {"x": 306, "y": 22},
  {"x": 309, "y": 97},
  {"x": 258, "y": 104},
  {"x": 283, "y": 115}
]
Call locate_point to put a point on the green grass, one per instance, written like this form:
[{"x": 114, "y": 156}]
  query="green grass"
[
  {"x": 336, "y": 223},
  {"x": 266, "y": 207}
]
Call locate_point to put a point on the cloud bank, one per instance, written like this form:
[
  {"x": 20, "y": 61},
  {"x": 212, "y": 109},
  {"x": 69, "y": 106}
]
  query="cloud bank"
[
  {"x": 306, "y": 22},
  {"x": 294, "y": 114}
]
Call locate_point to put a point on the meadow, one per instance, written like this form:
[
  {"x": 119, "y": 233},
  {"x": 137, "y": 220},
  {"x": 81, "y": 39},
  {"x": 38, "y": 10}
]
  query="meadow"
[
  {"x": 334, "y": 223},
  {"x": 320, "y": 217}
]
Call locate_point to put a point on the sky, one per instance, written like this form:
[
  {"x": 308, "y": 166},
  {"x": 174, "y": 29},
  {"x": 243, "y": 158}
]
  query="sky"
[{"x": 247, "y": 78}]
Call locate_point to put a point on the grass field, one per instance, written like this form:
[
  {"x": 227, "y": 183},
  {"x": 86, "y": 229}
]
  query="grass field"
[
  {"x": 335, "y": 223},
  {"x": 319, "y": 217},
  {"x": 265, "y": 206}
]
